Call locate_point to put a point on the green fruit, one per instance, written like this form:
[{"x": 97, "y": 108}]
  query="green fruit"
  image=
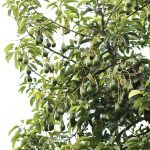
[
  {"x": 60, "y": 111},
  {"x": 83, "y": 91},
  {"x": 53, "y": 44},
  {"x": 46, "y": 128},
  {"x": 128, "y": 5},
  {"x": 62, "y": 126},
  {"x": 39, "y": 39},
  {"x": 25, "y": 60},
  {"x": 113, "y": 85},
  {"x": 66, "y": 63},
  {"x": 20, "y": 58},
  {"x": 49, "y": 108},
  {"x": 51, "y": 68},
  {"x": 96, "y": 60},
  {"x": 45, "y": 53},
  {"x": 63, "y": 48},
  {"x": 48, "y": 44},
  {"x": 57, "y": 116},
  {"x": 117, "y": 107},
  {"x": 29, "y": 78},
  {"x": 88, "y": 62},
  {"x": 89, "y": 89},
  {"x": 46, "y": 68},
  {"x": 51, "y": 126},
  {"x": 28, "y": 70},
  {"x": 136, "y": 7},
  {"x": 54, "y": 81},
  {"x": 92, "y": 56},
  {"x": 72, "y": 120}
]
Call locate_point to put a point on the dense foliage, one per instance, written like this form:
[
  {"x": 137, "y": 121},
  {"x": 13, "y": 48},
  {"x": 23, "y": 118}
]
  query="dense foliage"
[{"x": 83, "y": 70}]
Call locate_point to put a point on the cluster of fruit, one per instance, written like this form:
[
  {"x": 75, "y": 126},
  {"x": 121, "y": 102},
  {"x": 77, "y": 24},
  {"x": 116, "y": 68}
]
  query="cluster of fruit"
[{"x": 58, "y": 115}]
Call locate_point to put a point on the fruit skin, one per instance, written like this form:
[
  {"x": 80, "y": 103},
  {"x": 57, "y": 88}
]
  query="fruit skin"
[
  {"x": 54, "y": 81},
  {"x": 39, "y": 39},
  {"x": 62, "y": 126},
  {"x": 63, "y": 48},
  {"x": 91, "y": 56},
  {"x": 88, "y": 62},
  {"x": 66, "y": 63},
  {"x": 49, "y": 108},
  {"x": 46, "y": 68},
  {"x": 136, "y": 7},
  {"x": 51, "y": 126},
  {"x": 117, "y": 107},
  {"x": 28, "y": 70},
  {"x": 128, "y": 5},
  {"x": 48, "y": 44},
  {"x": 96, "y": 60},
  {"x": 20, "y": 58},
  {"x": 60, "y": 111},
  {"x": 83, "y": 92},
  {"x": 25, "y": 60},
  {"x": 45, "y": 53},
  {"x": 89, "y": 89},
  {"x": 51, "y": 68},
  {"x": 57, "y": 116},
  {"x": 72, "y": 120},
  {"x": 29, "y": 78},
  {"x": 46, "y": 128},
  {"x": 53, "y": 44}
]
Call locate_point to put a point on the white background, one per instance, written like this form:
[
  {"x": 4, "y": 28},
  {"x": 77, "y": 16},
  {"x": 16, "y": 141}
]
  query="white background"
[{"x": 13, "y": 106}]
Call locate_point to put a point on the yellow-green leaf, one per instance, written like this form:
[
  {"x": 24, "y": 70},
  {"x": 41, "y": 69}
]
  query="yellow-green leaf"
[{"x": 134, "y": 92}]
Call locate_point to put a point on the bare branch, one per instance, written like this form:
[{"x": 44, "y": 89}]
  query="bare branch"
[{"x": 128, "y": 127}]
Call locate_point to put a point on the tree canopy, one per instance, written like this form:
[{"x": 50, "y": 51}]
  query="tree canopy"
[{"x": 83, "y": 70}]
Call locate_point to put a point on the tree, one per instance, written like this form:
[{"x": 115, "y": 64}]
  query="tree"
[{"x": 88, "y": 86}]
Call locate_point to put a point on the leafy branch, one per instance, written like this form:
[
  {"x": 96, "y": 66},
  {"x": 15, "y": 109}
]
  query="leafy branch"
[
  {"x": 62, "y": 25},
  {"x": 39, "y": 75},
  {"x": 52, "y": 49},
  {"x": 114, "y": 10}
]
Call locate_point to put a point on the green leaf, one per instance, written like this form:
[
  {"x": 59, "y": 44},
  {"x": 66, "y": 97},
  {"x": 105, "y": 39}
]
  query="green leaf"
[
  {"x": 9, "y": 47},
  {"x": 22, "y": 27},
  {"x": 22, "y": 88},
  {"x": 73, "y": 9},
  {"x": 15, "y": 138},
  {"x": 134, "y": 92},
  {"x": 15, "y": 127}
]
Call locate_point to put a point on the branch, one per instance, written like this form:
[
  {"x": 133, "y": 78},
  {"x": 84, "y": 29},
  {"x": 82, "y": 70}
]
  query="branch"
[
  {"x": 137, "y": 135},
  {"x": 103, "y": 70},
  {"x": 68, "y": 139},
  {"x": 52, "y": 49},
  {"x": 70, "y": 29},
  {"x": 39, "y": 75},
  {"x": 103, "y": 23},
  {"x": 59, "y": 54},
  {"x": 128, "y": 127},
  {"x": 136, "y": 10},
  {"x": 62, "y": 25}
]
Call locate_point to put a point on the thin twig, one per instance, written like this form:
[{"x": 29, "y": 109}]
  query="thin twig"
[
  {"x": 128, "y": 127},
  {"x": 59, "y": 54},
  {"x": 136, "y": 10},
  {"x": 39, "y": 75}
]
